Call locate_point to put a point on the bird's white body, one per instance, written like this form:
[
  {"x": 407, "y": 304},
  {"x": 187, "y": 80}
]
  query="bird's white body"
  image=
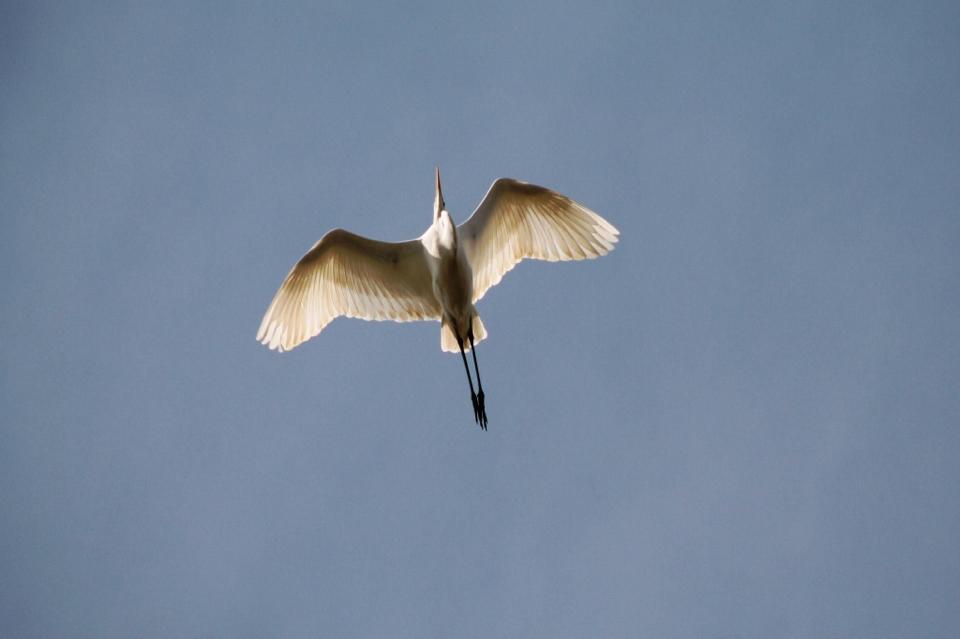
[
  {"x": 438, "y": 276},
  {"x": 452, "y": 281}
]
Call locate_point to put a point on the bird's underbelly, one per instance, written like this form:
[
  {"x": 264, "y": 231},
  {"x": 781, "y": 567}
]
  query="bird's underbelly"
[{"x": 453, "y": 287}]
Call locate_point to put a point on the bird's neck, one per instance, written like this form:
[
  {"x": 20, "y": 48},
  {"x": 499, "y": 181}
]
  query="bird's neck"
[{"x": 447, "y": 234}]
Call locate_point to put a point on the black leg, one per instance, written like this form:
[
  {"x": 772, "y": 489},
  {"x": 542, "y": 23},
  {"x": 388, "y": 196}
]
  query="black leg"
[
  {"x": 473, "y": 396},
  {"x": 482, "y": 409}
]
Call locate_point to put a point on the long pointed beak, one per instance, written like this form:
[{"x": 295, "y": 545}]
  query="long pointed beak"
[{"x": 438, "y": 203}]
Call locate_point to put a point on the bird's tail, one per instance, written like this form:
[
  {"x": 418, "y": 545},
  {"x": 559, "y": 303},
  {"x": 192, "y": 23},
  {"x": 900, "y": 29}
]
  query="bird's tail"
[
  {"x": 448, "y": 339},
  {"x": 479, "y": 332}
]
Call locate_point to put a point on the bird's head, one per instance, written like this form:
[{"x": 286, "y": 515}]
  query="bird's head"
[
  {"x": 442, "y": 221},
  {"x": 438, "y": 203}
]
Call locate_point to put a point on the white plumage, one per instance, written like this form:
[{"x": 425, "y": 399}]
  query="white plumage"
[
  {"x": 438, "y": 276},
  {"x": 517, "y": 220},
  {"x": 346, "y": 274}
]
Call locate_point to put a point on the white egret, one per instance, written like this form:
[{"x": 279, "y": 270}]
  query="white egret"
[{"x": 438, "y": 276}]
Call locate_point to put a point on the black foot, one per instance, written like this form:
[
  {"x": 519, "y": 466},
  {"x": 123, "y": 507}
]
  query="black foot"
[
  {"x": 476, "y": 407},
  {"x": 481, "y": 411}
]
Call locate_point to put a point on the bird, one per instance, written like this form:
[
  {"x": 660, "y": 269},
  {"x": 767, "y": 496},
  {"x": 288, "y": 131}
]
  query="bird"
[{"x": 439, "y": 276}]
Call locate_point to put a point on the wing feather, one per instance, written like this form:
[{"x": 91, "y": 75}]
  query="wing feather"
[
  {"x": 346, "y": 274},
  {"x": 517, "y": 220}
]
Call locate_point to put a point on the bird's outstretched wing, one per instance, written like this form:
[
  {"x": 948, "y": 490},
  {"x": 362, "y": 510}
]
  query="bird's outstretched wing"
[
  {"x": 517, "y": 220},
  {"x": 346, "y": 274}
]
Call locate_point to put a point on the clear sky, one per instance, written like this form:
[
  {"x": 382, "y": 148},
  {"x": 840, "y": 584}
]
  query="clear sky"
[{"x": 744, "y": 422}]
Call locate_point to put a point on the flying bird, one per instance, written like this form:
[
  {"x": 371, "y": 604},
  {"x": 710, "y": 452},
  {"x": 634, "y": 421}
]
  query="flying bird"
[{"x": 439, "y": 276}]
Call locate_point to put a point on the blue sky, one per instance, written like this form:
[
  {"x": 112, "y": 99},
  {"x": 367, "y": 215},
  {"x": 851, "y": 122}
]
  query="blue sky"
[{"x": 742, "y": 422}]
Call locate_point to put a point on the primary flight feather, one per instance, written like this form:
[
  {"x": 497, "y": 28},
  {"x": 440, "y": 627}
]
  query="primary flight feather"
[{"x": 438, "y": 276}]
